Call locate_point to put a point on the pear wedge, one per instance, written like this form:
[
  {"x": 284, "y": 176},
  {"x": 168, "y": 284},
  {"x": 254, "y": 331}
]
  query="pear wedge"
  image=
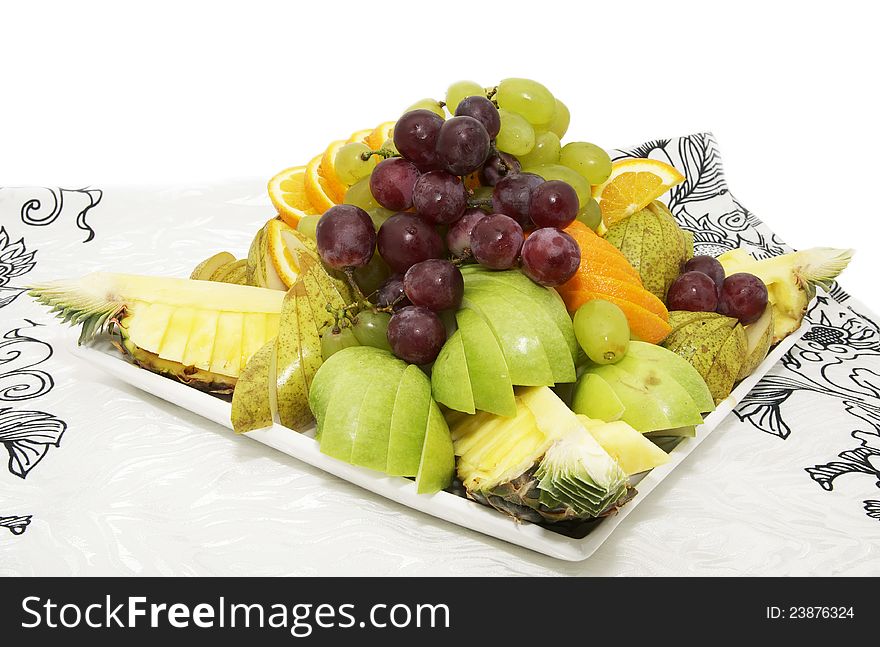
[
  {"x": 207, "y": 267},
  {"x": 759, "y": 336},
  {"x": 251, "y": 399}
]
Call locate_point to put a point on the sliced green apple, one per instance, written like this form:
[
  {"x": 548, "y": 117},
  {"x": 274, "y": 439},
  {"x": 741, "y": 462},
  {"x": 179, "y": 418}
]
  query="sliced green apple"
[
  {"x": 450, "y": 379},
  {"x": 370, "y": 447},
  {"x": 595, "y": 399},
  {"x": 677, "y": 368},
  {"x": 437, "y": 463},
  {"x": 487, "y": 368},
  {"x": 409, "y": 420}
]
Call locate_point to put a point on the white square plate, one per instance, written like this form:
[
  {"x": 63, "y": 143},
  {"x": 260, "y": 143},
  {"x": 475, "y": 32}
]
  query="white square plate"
[{"x": 443, "y": 505}]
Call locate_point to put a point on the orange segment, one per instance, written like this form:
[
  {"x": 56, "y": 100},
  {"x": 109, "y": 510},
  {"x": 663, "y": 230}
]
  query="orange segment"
[
  {"x": 621, "y": 289},
  {"x": 359, "y": 136},
  {"x": 633, "y": 185},
  {"x": 598, "y": 256},
  {"x": 379, "y": 134},
  {"x": 287, "y": 192},
  {"x": 321, "y": 192},
  {"x": 327, "y": 170}
]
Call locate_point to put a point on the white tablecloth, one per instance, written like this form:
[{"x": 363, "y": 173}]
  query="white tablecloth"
[{"x": 105, "y": 480}]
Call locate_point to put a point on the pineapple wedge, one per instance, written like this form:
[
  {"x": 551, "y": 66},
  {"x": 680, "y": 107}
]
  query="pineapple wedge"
[
  {"x": 791, "y": 280},
  {"x": 201, "y": 332}
]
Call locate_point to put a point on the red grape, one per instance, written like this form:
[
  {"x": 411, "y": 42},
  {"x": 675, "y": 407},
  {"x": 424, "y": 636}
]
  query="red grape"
[
  {"x": 345, "y": 237},
  {"x": 458, "y": 238},
  {"x": 550, "y": 257},
  {"x": 462, "y": 145},
  {"x": 481, "y": 109},
  {"x": 391, "y": 293},
  {"x": 392, "y": 182},
  {"x": 553, "y": 204},
  {"x": 497, "y": 167},
  {"x": 743, "y": 296},
  {"x": 416, "y": 334},
  {"x": 415, "y": 136},
  {"x": 496, "y": 241},
  {"x": 708, "y": 266},
  {"x": 512, "y": 194},
  {"x": 440, "y": 197},
  {"x": 693, "y": 291},
  {"x": 405, "y": 239},
  {"x": 436, "y": 284}
]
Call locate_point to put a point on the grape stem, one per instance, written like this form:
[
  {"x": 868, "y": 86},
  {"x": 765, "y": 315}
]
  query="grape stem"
[
  {"x": 361, "y": 299},
  {"x": 384, "y": 153},
  {"x": 493, "y": 150},
  {"x": 479, "y": 203}
]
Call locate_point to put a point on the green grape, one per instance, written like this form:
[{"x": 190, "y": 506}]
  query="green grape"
[
  {"x": 350, "y": 164},
  {"x": 602, "y": 331},
  {"x": 307, "y": 226},
  {"x": 428, "y": 104},
  {"x": 388, "y": 145},
  {"x": 516, "y": 136},
  {"x": 528, "y": 98},
  {"x": 559, "y": 172},
  {"x": 590, "y": 214},
  {"x": 458, "y": 91},
  {"x": 380, "y": 215},
  {"x": 372, "y": 275},
  {"x": 561, "y": 118},
  {"x": 359, "y": 195},
  {"x": 371, "y": 329},
  {"x": 587, "y": 159},
  {"x": 545, "y": 151},
  {"x": 335, "y": 339}
]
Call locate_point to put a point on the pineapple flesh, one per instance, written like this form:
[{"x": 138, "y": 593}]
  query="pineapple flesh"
[
  {"x": 200, "y": 332},
  {"x": 541, "y": 465}
]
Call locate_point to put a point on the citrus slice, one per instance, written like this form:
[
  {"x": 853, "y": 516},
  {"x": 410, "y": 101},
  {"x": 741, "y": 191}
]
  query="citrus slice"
[
  {"x": 380, "y": 134},
  {"x": 359, "y": 136},
  {"x": 321, "y": 191},
  {"x": 285, "y": 247},
  {"x": 288, "y": 193},
  {"x": 633, "y": 185}
]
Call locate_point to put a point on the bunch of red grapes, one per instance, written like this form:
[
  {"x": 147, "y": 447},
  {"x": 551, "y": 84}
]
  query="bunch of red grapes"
[
  {"x": 703, "y": 287},
  {"x": 435, "y": 228}
]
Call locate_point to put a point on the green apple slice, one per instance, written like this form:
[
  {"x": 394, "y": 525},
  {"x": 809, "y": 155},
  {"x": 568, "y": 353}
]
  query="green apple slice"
[
  {"x": 437, "y": 463},
  {"x": 370, "y": 447},
  {"x": 548, "y": 298},
  {"x": 450, "y": 380},
  {"x": 678, "y": 407},
  {"x": 677, "y": 368},
  {"x": 527, "y": 362},
  {"x": 489, "y": 376},
  {"x": 552, "y": 341},
  {"x": 595, "y": 399},
  {"x": 644, "y": 413},
  {"x": 409, "y": 420}
]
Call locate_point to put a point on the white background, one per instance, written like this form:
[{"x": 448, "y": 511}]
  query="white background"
[{"x": 172, "y": 92}]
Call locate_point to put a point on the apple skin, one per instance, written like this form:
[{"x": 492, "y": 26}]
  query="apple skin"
[
  {"x": 450, "y": 378},
  {"x": 676, "y": 367},
  {"x": 595, "y": 399}
]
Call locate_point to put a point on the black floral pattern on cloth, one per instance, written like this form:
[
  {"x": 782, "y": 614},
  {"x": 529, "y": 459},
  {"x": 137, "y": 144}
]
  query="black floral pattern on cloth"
[
  {"x": 27, "y": 434},
  {"x": 838, "y": 358}
]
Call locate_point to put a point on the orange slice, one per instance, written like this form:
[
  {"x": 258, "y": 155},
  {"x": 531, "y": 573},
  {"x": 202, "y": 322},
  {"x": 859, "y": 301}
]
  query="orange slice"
[
  {"x": 288, "y": 193},
  {"x": 633, "y": 185},
  {"x": 379, "y": 134},
  {"x": 359, "y": 136},
  {"x": 322, "y": 192},
  {"x": 285, "y": 247}
]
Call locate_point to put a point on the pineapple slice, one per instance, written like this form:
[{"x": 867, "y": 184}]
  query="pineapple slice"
[{"x": 200, "y": 332}]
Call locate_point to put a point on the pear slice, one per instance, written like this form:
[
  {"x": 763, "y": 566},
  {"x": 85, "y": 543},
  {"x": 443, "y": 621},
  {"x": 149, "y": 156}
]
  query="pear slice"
[
  {"x": 489, "y": 376},
  {"x": 450, "y": 380},
  {"x": 298, "y": 353},
  {"x": 728, "y": 364},
  {"x": 595, "y": 399},
  {"x": 207, "y": 267},
  {"x": 251, "y": 402},
  {"x": 759, "y": 336},
  {"x": 223, "y": 273},
  {"x": 628, "y": 447}
]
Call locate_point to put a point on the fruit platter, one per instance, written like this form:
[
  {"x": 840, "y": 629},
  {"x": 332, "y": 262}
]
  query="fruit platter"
[{"x": 461, "y": 313}]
